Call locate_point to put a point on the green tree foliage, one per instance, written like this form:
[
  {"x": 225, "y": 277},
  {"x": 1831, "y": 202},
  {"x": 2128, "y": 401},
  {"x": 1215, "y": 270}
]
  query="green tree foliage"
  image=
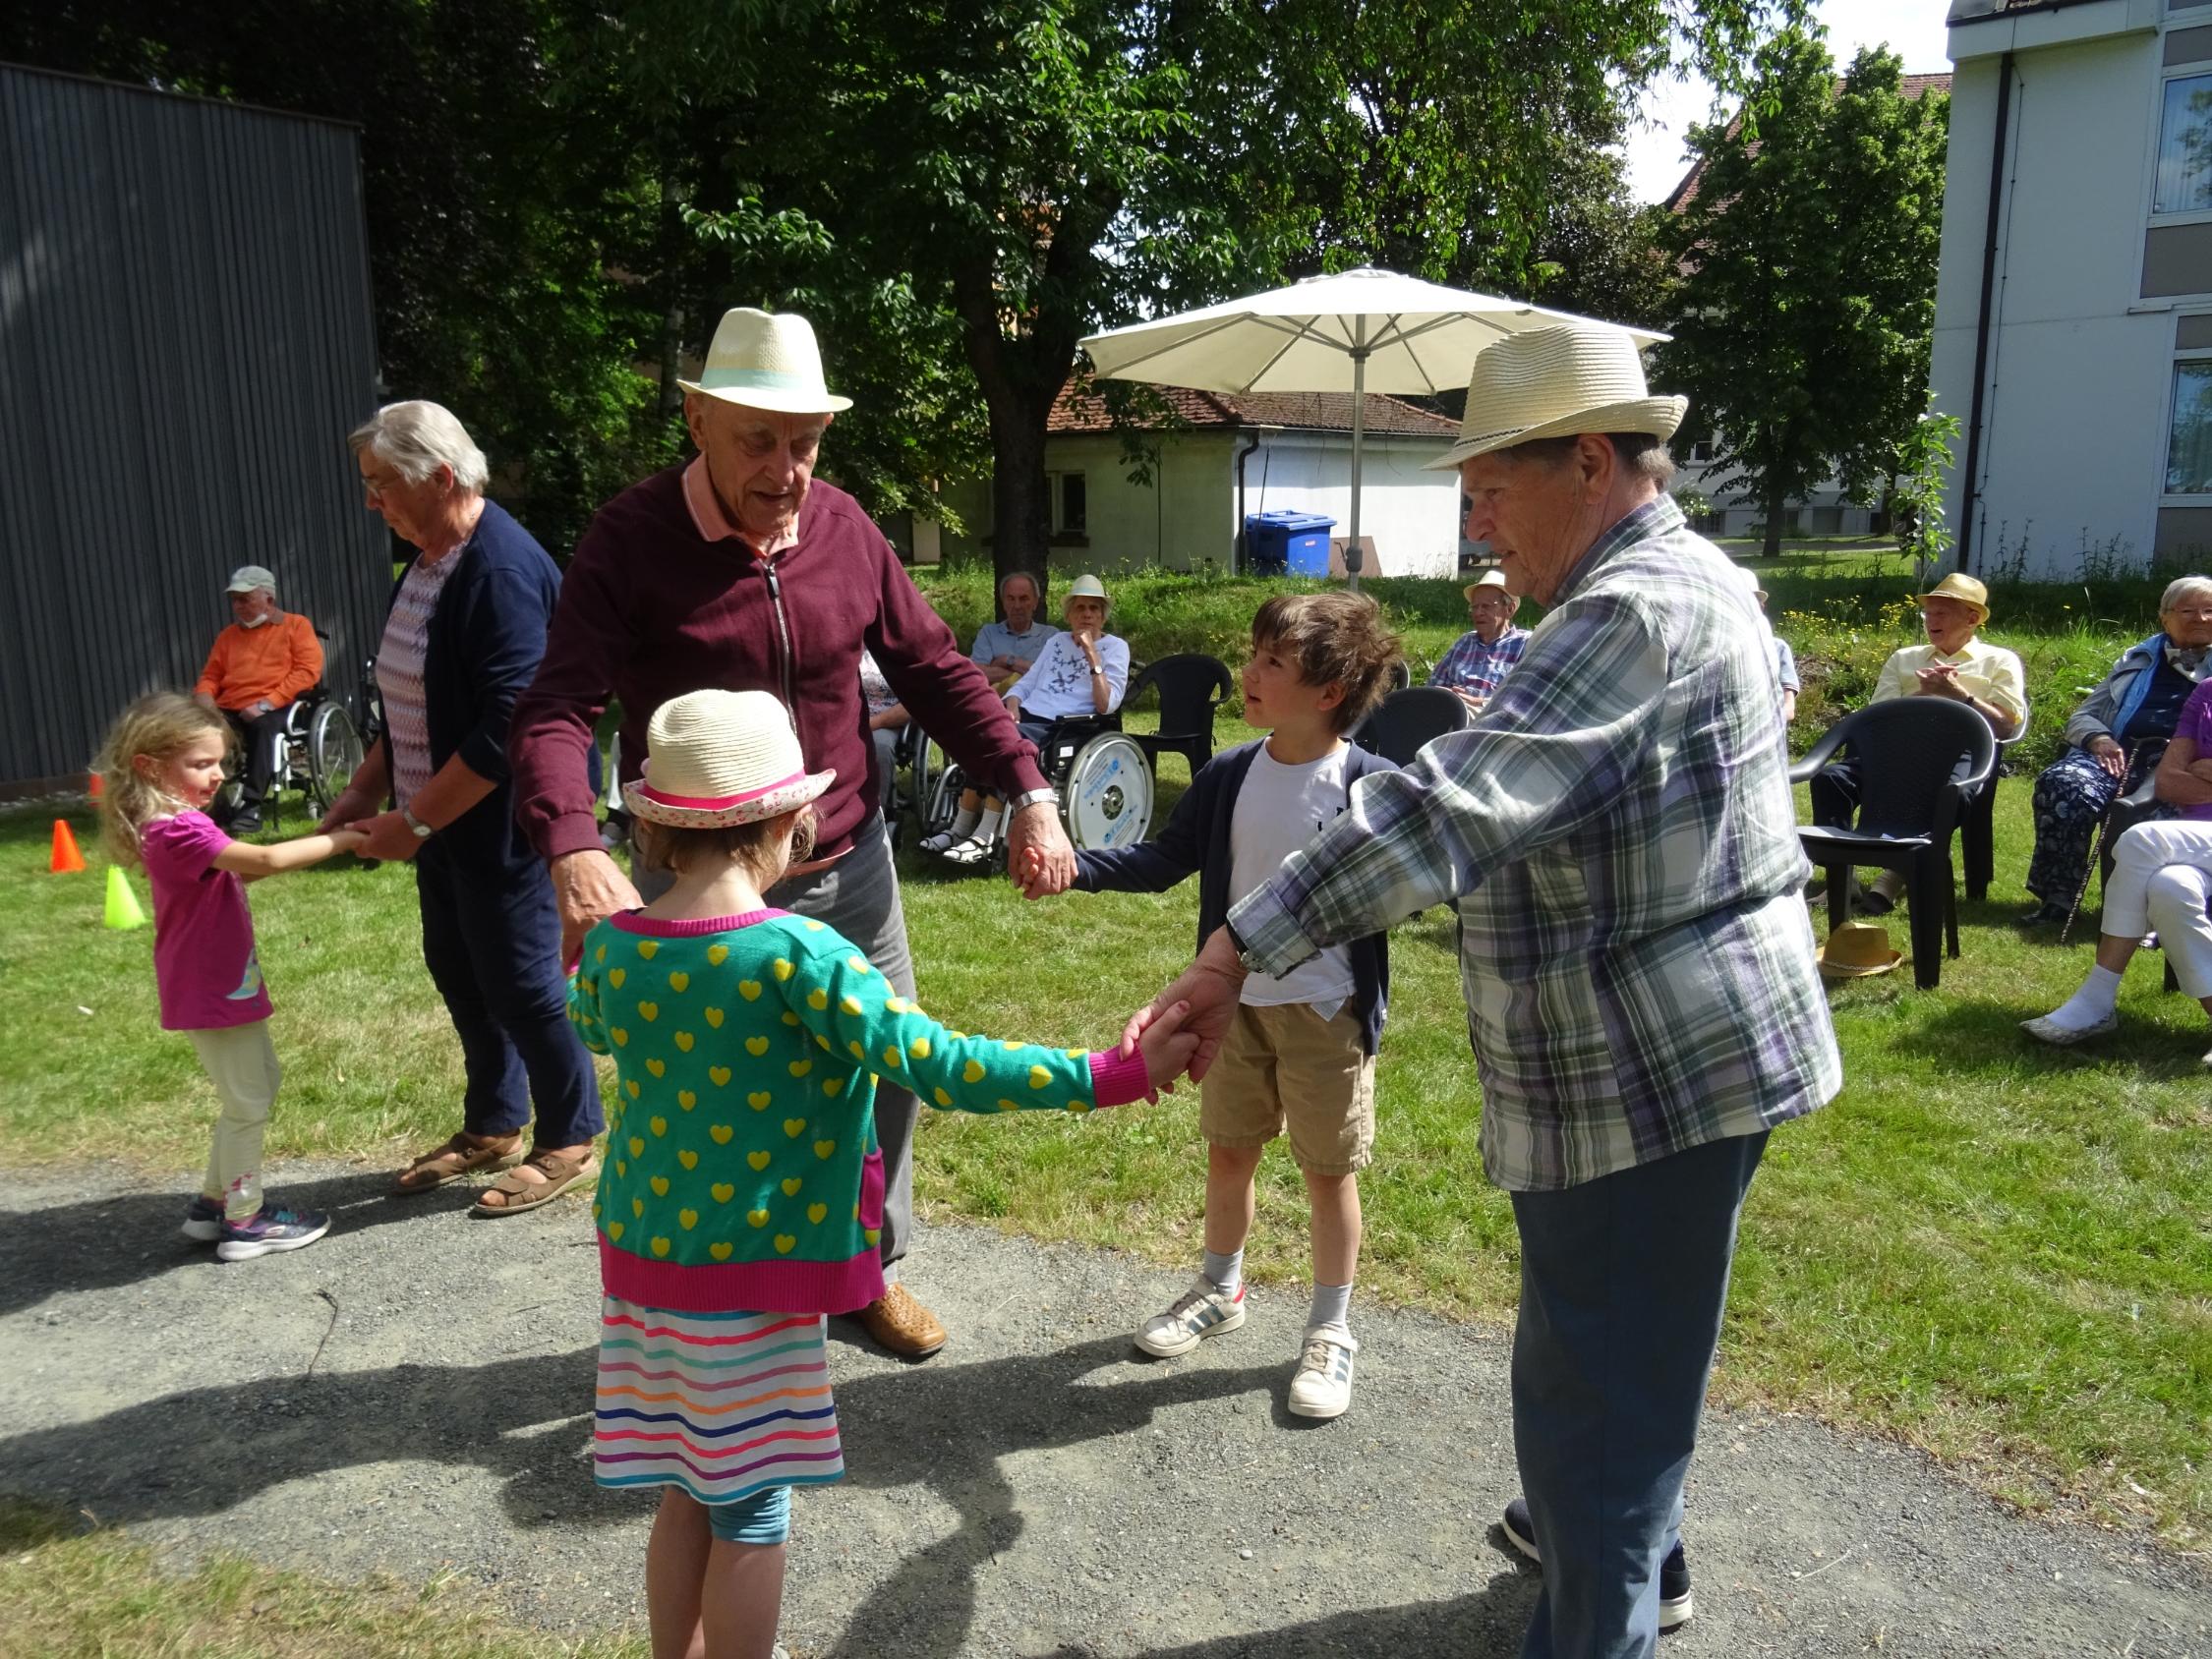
[{"x": 1806, "y": 311}]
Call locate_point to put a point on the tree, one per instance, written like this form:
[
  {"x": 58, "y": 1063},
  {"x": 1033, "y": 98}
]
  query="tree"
[{"x": 1806, "y": 312}]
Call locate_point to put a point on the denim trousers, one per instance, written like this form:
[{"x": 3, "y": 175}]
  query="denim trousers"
[
  {"x": 492, "y": 940},
  {"x": 1622, "y": 1283}
]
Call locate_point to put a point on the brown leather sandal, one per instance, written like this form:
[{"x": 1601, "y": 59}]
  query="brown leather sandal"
[
  {"x": 461, "y": 1157},
  {"x": 559, "y": 1170}
]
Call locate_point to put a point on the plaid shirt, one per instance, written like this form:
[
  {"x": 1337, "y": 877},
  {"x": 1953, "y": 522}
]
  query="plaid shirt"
[
  {"x": 1474, "y": 668},
  {"x": 1617, "y": 832}
]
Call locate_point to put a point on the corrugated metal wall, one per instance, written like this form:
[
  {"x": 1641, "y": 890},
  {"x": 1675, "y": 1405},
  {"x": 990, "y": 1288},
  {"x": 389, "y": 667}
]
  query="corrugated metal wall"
[{"x": 185, "y": 340}]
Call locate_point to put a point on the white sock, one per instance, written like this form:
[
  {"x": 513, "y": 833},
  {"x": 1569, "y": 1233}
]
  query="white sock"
[
  {"x": 2094, "y": 1001},
  {"x": 1225, "y": 1273},
  {"x": 963, "y": 821},
  {"x": 988, "y": 825},
  {"x": 1331, "y": 1305}
]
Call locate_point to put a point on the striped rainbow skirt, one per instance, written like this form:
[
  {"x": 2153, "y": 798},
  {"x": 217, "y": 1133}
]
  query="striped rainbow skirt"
[{"x": 719, "y": 1404}]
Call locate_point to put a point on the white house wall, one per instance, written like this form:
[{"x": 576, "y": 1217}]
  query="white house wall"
[
  {"x": 1413, "y": 515},
  {"x": 2073, "y": 433}
]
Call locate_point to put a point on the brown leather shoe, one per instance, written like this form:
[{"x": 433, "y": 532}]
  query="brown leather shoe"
[{"x": 902, "y": 1324}]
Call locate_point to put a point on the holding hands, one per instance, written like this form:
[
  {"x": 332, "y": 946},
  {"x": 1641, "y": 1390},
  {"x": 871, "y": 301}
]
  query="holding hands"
[{"x": 1198, "y": 1006}]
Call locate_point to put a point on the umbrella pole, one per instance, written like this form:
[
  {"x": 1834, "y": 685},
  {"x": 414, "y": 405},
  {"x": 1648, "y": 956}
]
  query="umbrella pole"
[{"x": 1359, "y": 440}]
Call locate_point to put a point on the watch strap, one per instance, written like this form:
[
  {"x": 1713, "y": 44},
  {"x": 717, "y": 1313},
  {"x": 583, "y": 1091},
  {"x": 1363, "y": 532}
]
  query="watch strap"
[
  {"x": 1031, "y": 798},
  {"x": 422, "y": 831}
]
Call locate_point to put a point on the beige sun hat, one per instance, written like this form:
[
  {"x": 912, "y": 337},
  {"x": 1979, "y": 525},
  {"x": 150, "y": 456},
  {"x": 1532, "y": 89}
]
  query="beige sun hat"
[
  {"x": 766, "y": 361},
  {"x": 718, "y": 758},
  {"x": 1857, "y": 949},
  {"x": 1965, "y": 590},
  {"x": 1086, "y": 587},
  {"x": 1556, "y": 382},
  {"x": 1491, "y": 578}
]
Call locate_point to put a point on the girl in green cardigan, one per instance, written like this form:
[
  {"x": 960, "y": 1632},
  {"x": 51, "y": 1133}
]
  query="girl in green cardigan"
[{"x": 744, "y": 1189}]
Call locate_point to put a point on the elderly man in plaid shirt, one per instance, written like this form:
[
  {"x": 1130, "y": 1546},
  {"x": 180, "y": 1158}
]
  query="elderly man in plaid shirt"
[
  {"x": 1617, "y": 835},
  {"x": 1482, "y": 655}
]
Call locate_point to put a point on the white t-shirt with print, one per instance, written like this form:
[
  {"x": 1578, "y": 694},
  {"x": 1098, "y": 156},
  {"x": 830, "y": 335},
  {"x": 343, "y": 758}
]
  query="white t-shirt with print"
[
  {"x": 1057, "y": 686},
  {"x": 1279, "y": 808}
]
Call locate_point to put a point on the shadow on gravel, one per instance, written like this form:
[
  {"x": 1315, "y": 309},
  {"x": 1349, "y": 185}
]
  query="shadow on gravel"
[
  {"x": 1487, "y": 1624},
  {"x": 106, "y": 1242}
]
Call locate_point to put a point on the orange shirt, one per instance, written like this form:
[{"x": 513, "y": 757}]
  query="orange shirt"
[{"x": 277, "y": 660}]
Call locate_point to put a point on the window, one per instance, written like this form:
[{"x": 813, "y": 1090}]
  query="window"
[
  {"x": 2185, "y": 147},
  {"x": 1069, "y": 514},
  {"x": 2189, "y": 444},
  {"x": 1701, "y": 451}
]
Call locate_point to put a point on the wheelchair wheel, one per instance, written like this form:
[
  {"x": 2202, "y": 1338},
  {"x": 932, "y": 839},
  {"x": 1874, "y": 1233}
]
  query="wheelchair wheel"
[
  {"x": 1107, "y": 798},
  {"x": 333, "y": 753},
  {"x": 942, "y": 802},
  {"x": 923, "y": 774}
]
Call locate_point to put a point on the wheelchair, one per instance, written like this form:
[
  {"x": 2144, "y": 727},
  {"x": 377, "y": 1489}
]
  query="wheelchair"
[
  {"x": 1105, "y": 777},
  {"x": 318, "y": 753}
]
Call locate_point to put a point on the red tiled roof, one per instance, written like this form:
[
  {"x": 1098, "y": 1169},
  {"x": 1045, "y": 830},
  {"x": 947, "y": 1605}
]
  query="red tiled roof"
[
  {"x": 1908, "y": 85},
  {"x": 1077, "y": 411}
]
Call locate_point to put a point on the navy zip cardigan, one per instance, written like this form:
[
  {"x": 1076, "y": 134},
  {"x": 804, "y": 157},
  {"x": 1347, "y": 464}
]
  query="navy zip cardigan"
[
  {"x": 487, "y": 636},
  {"x": 1196, "y": 839}
]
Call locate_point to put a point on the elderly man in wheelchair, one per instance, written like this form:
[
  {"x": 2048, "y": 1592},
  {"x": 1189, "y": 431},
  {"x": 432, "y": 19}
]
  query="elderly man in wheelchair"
[
  {"x": 1072, "y": 694},
  {"x": 260, "y": 668}
]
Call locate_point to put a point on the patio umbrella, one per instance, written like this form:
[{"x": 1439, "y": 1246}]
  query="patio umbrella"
[{"x": 1359, "y": 331}]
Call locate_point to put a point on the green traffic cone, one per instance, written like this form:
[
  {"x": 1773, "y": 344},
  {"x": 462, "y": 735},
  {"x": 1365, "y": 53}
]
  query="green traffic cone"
[{"x": 123, "y": 912}]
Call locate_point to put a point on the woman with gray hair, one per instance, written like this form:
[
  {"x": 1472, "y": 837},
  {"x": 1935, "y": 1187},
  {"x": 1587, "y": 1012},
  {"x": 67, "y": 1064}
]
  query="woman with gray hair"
[
  {"x": 2116, "y": 738},
  {"x": 462, "y": 638}
]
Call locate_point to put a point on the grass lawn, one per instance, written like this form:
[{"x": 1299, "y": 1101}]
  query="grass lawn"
[{"x": 1995, "y": 1252}]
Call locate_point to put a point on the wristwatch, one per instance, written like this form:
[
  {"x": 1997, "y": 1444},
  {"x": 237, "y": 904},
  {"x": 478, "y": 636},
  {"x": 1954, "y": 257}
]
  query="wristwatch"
[
  {"x": 422, "y": 829},
  {"x": 1031, "y": 798}
]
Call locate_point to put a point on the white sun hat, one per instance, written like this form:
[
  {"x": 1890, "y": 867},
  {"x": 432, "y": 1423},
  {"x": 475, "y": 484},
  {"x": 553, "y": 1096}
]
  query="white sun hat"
[
  {"x": 767, "y": 362},
  {"x": 1557, "y": 383},
  {"x": 718, "y": 758}
]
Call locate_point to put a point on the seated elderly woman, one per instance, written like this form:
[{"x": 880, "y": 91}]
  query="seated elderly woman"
[
  {"x": 2161, "y": 879},
  {"x": 1953, "y": 664},
  {"x": 2115, "y": 741},
  {"x": 1080, "y": 673}
]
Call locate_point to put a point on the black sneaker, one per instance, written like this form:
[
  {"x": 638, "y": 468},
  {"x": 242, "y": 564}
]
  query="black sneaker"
[{"x": 1675, "y": 1605}]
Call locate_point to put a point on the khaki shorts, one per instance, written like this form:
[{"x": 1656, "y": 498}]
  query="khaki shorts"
[{"x": 1287, "y": 1066}]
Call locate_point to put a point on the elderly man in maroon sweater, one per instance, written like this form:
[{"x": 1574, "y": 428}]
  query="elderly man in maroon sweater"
[{"x": 739, "y": 571}]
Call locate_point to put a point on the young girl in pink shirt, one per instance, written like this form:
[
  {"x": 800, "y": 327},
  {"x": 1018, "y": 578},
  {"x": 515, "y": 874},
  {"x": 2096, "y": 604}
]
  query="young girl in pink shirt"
[{"x": 159, "y": 769}]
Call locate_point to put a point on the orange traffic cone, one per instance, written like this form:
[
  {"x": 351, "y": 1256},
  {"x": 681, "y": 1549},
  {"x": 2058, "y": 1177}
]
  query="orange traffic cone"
[{"x": 66, "y": 858}]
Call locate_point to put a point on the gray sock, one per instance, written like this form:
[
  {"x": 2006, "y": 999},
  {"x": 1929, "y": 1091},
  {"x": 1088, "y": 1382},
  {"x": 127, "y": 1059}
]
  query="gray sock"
[
  {"x": 1332, "y": 1305},
  {"x": 1225, "y": 1273}
]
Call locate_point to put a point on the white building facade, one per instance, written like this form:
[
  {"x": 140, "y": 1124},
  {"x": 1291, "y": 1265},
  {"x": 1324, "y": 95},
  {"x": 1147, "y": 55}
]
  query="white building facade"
[{"x": 2074, "y": 306}]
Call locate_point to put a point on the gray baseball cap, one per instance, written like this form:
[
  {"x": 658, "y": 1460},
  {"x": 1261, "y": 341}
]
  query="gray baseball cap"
[{"x": 247, "y": 577}]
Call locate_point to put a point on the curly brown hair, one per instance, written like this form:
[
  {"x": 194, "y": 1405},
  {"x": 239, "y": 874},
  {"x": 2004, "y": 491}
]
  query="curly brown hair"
[
  {"x": 1336, "y": 639},
  {"x": 753, "y": 844}
]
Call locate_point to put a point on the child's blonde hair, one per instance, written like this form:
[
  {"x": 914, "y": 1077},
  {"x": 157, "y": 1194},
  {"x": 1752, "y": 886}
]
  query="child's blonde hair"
[{"x": 157, "y": 726}]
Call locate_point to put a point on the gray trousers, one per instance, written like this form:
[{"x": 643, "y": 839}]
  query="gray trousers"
[{"x": 858, "y": 895}]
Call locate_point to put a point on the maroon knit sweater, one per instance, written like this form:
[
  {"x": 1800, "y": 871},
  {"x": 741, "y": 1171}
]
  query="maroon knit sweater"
[{"x": 650, "y": 609}]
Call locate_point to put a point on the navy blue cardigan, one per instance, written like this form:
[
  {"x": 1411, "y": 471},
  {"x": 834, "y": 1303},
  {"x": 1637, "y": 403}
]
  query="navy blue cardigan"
[
  {"x": 1196, "y": 839},
  {"x": 486, "y": 638}
]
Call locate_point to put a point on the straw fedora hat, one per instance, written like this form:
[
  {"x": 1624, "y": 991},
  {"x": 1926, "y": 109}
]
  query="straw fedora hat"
[
  {"x": 718, "y": 758},
  {"x": 1556, "y": 382},
  {"x": 1965, "y": 590},
  {"x": 1491, "y": 578},
  {"x": 1856, "y": 949},
  {"x": 767, "y": 362}
]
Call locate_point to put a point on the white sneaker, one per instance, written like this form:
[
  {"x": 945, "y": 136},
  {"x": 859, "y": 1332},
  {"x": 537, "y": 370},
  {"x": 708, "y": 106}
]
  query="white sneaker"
[
  {"x": 1199, "y": 1313},
  {"x": 1323, "y": 1384},
  {"x": 968, "y": 852},
  {"x": 2044, "y": 1029}
]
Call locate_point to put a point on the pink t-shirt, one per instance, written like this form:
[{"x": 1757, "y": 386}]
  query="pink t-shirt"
[
  {"x": 203, "y": 959},
  {"x": 2195, "y": 725}
]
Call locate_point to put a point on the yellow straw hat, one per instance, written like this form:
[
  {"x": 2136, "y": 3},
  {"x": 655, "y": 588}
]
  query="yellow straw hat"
[
  {"x": 1965, "y": 590},
  {"x": 1856, "y": 949}
]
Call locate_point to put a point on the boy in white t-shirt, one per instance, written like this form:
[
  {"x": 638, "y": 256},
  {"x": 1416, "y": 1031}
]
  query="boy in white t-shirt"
[{"x": 1300, "y": 1052}]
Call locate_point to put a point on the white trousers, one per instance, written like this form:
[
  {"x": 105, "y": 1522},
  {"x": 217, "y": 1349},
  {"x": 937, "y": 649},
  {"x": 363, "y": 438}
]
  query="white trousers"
[
  {"x": 241, "y": 1062},
  {"x": 2162, "y": 880}
]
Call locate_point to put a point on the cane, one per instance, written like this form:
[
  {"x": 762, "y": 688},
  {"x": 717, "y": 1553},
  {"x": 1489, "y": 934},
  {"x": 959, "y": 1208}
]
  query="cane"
[{"x": 2097, "y": 843}]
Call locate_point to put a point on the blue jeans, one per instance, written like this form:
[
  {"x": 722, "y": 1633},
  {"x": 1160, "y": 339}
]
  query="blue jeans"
[
  {"x": 492, "y": 940},
  {"x": 1622, "y": 1283}
]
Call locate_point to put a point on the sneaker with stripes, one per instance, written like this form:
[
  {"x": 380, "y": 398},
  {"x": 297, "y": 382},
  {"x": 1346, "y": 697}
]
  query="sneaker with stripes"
[
  {"x": 1323, "y": 1384},
  {"x": 1199, "y": 1313}
]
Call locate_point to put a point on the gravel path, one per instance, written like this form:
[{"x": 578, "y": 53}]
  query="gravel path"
[{"x": 411, "y": 1396}]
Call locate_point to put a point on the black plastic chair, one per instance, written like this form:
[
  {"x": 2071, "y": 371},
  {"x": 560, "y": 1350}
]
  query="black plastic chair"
[
  {"x": 1402, "y": 723},
  {"x": 1920, "y": 761},
  {"x": 1192, "y": 686},
  {"x": 1977, "y": 832}
]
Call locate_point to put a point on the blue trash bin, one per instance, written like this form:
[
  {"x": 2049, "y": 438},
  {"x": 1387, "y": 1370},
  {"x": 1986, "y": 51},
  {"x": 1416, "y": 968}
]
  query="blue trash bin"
[{"x": 1285, "y": 541}]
